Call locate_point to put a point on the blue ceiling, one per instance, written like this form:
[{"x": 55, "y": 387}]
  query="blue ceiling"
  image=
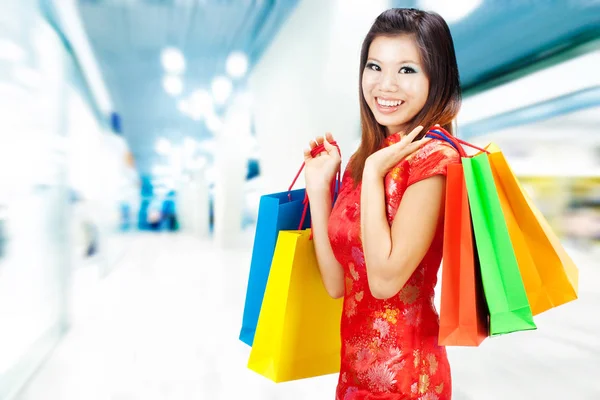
[
  {"x": 502, "y": 37},
  {"x": 496, "y": 40},
  {"x": 128, "y": 36}
]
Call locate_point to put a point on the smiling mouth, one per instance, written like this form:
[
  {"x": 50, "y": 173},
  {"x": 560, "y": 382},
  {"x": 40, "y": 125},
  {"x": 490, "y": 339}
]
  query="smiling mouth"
[
  {"x": 388, "y": 103},
  {"x": 388, "y": 106}
]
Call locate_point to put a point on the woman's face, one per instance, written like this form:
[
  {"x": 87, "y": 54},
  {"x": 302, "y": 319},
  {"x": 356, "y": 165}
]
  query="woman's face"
[{"x": 394, "y": 83}]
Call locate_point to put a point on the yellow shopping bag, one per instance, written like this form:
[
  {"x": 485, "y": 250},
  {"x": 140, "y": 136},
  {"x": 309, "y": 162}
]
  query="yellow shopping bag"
[
  {"x": 549, "y": 275},
  {"x": 298, "y": 331}
]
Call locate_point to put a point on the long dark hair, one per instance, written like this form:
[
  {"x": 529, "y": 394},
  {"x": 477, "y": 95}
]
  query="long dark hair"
[{"x": 439, "y": 62}]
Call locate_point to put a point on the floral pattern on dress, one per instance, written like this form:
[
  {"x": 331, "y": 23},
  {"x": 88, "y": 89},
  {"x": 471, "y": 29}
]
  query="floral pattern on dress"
[{"x": 389, "y": 347}]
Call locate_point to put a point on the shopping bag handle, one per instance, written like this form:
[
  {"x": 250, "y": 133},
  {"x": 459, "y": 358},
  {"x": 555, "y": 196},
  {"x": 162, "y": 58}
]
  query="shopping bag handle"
[
  {"x": 442, "y": 134},
  {"x": 335, "y": 185},
  {"x": 318, "y": 149}
]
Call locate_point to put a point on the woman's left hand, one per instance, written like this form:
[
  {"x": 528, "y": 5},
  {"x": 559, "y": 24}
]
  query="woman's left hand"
[{"x": 380, "y": 162}]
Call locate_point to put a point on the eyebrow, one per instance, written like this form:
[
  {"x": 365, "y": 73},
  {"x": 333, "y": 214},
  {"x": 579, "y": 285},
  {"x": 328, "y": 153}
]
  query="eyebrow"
[{"x": 401, "y": 62}]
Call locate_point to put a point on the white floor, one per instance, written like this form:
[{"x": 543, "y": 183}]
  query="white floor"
[{"x": 164, "y": 325}]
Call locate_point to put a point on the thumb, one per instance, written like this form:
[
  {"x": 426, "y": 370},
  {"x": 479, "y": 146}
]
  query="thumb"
[
  {"x": 331, "y": 149},
  {"x": 328, "y": 146}
]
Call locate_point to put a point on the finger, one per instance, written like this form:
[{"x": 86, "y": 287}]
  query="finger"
[
  {"x": 408, "y": 138},
  {"x": 414, "y": 146},
  {"x": 312, "y": 144},
  {"x": 413, "y": 134},
  {"x": 331, "y": 149},
  {"x": 329, "y": 137},
  {"x": 307, "y": 155},
  {"x": 319, "y": 139}
]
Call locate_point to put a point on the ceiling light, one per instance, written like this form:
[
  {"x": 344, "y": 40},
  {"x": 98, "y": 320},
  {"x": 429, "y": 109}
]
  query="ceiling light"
[
  {"x": 189, "y": 145},
  {"x": 213, "y": 123},
  {"x": 163, "y": 146},
  {"x": 173, "y": 60},
  {"x": 237, "y": 64},
  {"x": 160, "y": 171},
  {"x": 173, "y": 85},
  {"x": 195, "y": 114},
  {"x": 184, "y": 106},
  {"x": 452, "y": 11},
  {"x": 201, "y": 102},
  {"x": 221, "y": 89}
]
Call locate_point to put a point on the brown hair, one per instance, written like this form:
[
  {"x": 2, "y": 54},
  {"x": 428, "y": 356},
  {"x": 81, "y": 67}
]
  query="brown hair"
[{"x": 439, "y": 62}]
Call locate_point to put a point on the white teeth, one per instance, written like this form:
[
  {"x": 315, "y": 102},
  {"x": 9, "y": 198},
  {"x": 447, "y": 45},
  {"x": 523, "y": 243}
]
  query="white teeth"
[{"x": 389, "y": 103}]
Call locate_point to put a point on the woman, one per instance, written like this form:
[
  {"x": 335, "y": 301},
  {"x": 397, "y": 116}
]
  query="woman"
[{"x": 381, "y": 245}]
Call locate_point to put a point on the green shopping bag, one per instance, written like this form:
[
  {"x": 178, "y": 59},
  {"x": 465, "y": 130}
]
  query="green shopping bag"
[{"x": 502, "y": 283}]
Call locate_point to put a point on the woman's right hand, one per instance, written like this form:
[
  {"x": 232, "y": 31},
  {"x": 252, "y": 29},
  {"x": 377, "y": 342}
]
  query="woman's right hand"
[{"x": 320, "y": 170}]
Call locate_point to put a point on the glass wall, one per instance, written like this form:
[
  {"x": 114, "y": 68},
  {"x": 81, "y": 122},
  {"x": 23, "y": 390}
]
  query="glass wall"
[{"x": 33, "y": 192}]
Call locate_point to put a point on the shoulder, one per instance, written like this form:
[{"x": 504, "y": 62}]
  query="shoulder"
[
  {"x": 435, "y": 150},
  {"x": 431, "y": 159}
]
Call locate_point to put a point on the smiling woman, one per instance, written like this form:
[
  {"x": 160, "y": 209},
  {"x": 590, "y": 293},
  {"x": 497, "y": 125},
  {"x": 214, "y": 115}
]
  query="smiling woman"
[
  {"x": 381, "y": 245},
  {"x": 394, "y": 86}
]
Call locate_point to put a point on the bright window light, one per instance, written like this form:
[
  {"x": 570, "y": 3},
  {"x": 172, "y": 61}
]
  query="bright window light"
[
  {"x": 198, "y": 162},
  {"x": 163, "y": 146},
  {"x": 237, "y": 64},
  {"x": 452, "y": 11},
  {"x": 221, "y": 89},
  {"x": 245, "y": 99},
  {"x": 173, "y": 85},
  {"x": 173, "y": 60},
  {"x": 28, "y": 76},
  {"x": 207, "y": 146},
  {"x": 11, "y": 51}
]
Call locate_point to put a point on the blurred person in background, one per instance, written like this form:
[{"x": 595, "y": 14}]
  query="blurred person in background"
[
  {"x": 381, "y": 245},
  {"x": 169, "y": 214},
  {"x": 154, "y": 214}
]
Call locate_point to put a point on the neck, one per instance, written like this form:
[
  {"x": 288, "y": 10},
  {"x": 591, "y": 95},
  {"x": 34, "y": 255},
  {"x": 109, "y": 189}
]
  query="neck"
[{"x": 391, "y": 130}]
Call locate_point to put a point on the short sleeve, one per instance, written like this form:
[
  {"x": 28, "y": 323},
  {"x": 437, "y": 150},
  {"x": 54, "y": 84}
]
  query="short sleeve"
[{"x": 430, "y": 160}]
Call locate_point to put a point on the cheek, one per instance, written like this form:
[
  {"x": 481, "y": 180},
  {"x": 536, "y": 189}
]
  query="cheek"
[
  {"x": 417, "y": 89},
  {"x": 368, "y": 83}
]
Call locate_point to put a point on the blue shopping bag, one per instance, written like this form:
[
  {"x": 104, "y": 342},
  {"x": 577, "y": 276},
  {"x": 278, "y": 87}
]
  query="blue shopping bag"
[{"x": 276, "y": 212}]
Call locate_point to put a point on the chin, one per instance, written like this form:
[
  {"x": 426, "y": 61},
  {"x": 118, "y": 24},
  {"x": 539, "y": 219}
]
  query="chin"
[{"x": 391, "y": 125}]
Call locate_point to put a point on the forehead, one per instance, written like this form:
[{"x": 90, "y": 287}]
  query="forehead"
[{"x": 395, "y": 49}]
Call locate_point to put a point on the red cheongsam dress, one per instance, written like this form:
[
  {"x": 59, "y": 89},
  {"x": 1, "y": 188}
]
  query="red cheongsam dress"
[{"x": 390, "y": 347}]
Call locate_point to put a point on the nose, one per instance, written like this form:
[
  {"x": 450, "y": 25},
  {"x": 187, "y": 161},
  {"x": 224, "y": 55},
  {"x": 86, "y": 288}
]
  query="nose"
[{"x": 389, "y": 82}]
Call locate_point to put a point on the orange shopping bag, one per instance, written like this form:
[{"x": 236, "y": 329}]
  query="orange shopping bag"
[
  {"x": 549, "y": 275},
  {"x": 463, "y": 316}
]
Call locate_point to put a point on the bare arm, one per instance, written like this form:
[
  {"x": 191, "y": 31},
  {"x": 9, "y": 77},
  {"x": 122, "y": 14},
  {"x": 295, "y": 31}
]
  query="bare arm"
[
  {"x": 393, "y": 254},
  {"x": 331, "y": 270},
  {"x": 320, "y": 172}
]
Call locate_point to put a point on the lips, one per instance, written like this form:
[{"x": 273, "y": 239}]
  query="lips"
[{"x": 388, "y": 106}]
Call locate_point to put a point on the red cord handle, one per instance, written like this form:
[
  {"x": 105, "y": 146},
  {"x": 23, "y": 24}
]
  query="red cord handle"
[
  {"x": 335, "y": 184},
  {"x": 458, "y": 143}
]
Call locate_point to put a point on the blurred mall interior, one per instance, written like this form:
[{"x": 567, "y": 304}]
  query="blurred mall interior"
[{"x": 138, "y": 136}]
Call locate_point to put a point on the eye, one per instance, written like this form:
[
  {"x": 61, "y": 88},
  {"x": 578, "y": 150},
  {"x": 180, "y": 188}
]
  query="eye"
[
  {"x": 373, "y": 66},
  {"x": 407, "y": 70}
]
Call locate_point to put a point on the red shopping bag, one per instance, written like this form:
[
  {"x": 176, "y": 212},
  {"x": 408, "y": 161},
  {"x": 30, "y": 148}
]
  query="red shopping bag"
[{"x": 463, "y": 315}]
